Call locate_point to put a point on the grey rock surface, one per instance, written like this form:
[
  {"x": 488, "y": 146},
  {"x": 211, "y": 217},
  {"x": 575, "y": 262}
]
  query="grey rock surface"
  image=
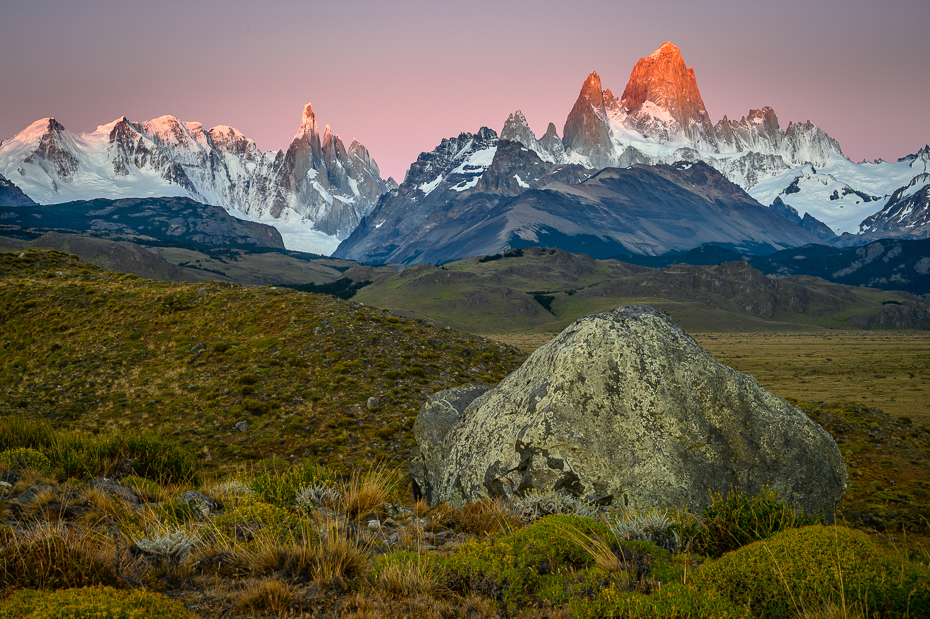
[
  {"x": 114, "y": 489},
  {"x": 439, "y": 415},
  {"x": 202, "y": 502},
  {"x": 624, "y": 408}
]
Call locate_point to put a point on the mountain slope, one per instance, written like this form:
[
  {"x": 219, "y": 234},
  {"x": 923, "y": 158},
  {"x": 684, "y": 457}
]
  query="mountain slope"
[
  {"x": 11, "y": 195},
  {"x": 515, "y": 199},
  {"x": 546, "y": 289},
  {"x": 180, "y": 220},
  {"x": 314, "y": 193}
]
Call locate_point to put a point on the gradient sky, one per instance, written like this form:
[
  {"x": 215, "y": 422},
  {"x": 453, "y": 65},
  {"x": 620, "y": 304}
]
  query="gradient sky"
[{"x": 399, "y": 76}]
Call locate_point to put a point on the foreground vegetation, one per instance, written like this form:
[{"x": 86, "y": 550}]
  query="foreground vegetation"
[
  {"x": 308, "y": 541},
  {"x": 148, "y": 385}
]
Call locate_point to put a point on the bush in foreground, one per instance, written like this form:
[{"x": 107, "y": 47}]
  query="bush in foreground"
[
  {"x": 103, "y": 602},
  {"x": 799, "y": 569}
]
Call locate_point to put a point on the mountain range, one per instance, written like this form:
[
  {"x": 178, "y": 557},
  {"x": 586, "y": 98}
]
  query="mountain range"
[
  {"x": 314, "y": 193},
  {"x": 474, "y": 194}
]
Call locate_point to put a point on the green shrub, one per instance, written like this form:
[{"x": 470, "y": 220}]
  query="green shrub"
[
  {"x": 804, "y": 568},
  {"x": 512, "y": 568},
  {"x": 280, "y": 487},
  {"x": 52, "y": 563},
  {"x": 247, "y": 520},
  {"x": 103, "y": 602},
  {"x": 153, "y": 457},
  {"x": 735, "y": 519},
  {"x": 15, "y": 431},
  {"x": 672, "y": 601},
  {"x": 25, "y": 458}
]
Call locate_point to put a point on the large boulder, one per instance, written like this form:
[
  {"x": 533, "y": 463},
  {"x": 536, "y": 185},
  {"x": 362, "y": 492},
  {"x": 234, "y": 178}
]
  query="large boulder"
[{"x": 624, "y": 408}]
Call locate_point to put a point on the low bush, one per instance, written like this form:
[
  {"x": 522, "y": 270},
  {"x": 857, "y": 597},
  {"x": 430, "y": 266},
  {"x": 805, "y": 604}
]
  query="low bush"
[
  {"x": 280, "y": 488},
  {"x": 798, "y": 569},
  {"x": 53, "y": 563},
  {"x": 250, "y": 520},
  {"x": 24, "y": 458},
  {"x": 735, "y": 519},
  {"x": 104, "y": 602},
  {"x": 513, "y": 568},
  {"x": 673, "y": 601}
]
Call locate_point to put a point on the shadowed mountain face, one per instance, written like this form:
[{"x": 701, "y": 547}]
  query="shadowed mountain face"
[
  {"x": 11, "y": 195},
  {"x": 522, "y": 201},
  {"x": 179, "y": 220}
]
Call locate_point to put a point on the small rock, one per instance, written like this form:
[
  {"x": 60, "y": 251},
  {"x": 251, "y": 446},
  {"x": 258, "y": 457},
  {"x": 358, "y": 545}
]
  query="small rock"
[
  {"x": 197, "y": 347},
  {"x": 22, "y": 254},
  {"x": 435, "y": 343},
  {"x": 317, "y": 330},
  {"x": 242, "y": 425},
  {"x": 29, "y": 495},
  {"x": 373, "y": 403},
  {"x": 201, "y": 501},
  {"x": 374, "y": 524},
  {"x": 5, "y": 488},
  {"x": 114, "y": 489}
]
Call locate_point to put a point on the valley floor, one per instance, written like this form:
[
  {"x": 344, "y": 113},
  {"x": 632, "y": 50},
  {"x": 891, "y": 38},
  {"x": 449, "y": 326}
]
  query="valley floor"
[{"x": 887, "y": 369}]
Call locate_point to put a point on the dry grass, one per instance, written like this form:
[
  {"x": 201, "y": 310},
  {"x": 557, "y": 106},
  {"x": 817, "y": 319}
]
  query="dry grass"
[
  {"x": 366, "y": 492},
  {"x": 340, "y": 555},
  {"x": 409, "y": 577},
  {"x": 268, "y": 595}
]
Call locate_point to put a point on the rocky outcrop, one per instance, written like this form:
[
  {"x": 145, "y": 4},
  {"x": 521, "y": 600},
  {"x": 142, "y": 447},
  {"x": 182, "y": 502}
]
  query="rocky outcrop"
[
  {"x": 432, "y": 425},
  {"x": 624, "y": 408}
]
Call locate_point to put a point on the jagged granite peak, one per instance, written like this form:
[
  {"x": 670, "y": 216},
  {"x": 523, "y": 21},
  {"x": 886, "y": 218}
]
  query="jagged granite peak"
[
  {"x": 758, "y": 131},
  {"x": 314, "y": 193},
  {"x": 552, "y": 143},
  {"x": 587, "y": 129},
  {"x": 663, "y": 102},
  {"x": 516, "y": 129}
]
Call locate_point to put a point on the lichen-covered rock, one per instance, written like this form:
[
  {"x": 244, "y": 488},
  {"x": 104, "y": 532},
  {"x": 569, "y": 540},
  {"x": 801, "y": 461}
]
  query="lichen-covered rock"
[
  {"x": 626, "y": 409},
  {"x": 440, "y": 413}
]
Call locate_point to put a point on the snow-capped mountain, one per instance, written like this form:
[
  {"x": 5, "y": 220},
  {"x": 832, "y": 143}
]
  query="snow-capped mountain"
[
  {"x": 315, "y": 193},
  {"x": 476, "y": 194},
  {"x": 661, "y": 118}
]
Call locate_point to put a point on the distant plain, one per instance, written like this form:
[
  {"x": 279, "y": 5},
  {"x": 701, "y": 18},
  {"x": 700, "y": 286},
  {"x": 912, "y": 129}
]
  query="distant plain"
[{"x": 889, "y": 370}]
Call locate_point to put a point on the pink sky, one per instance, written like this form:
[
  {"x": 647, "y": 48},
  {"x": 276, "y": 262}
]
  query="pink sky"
[{"x": 401, "y": 76}]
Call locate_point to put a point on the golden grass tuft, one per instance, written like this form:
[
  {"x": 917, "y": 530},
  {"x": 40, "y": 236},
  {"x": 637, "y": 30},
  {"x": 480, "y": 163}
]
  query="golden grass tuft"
[
  {"x": 269, "y": 595},
  {"x": 340, "y": 556},
  {"x": 409, "y": 576},
  {"x": 365, "y": 493}
]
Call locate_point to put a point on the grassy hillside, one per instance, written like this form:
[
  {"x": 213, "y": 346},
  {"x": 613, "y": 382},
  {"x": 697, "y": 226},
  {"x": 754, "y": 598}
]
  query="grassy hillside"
[
  {"x": 97, "y": 350},
  {"x": 545, "y": 290}
]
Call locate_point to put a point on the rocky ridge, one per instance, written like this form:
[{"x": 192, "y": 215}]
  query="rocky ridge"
[{"x": 314, "y": 193}]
